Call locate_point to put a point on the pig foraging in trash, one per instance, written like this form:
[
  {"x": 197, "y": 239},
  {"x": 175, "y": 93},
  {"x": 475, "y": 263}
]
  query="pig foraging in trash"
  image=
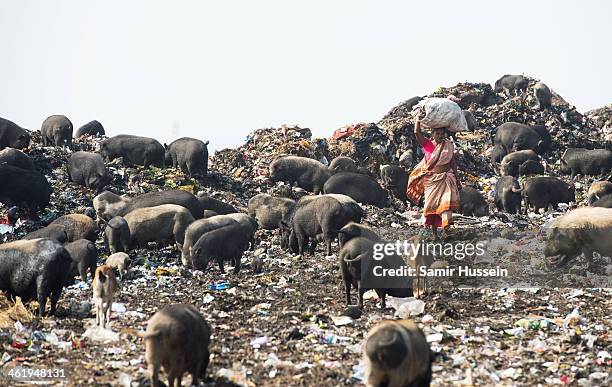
[
  {"x": 56, "y": 130},
  {"x": 543, "y": 95},
  {"x": 362, "y": 188},
  {"x": 177, "y": 338},
  {"x": 24, "y": 188},
  {"x": 512, "y": 161},
  {"x": 396, "y": 354},
  {"x": 223, "y": 243},
  {"x": 84, "y": 256},
  {"x": 545, "y": 191},
  {"x": 508, "y": 195},
  {"x": 34, "y": 270},
  {"x": 269, "y": 210},
  {"x": 472, "y": 202},
  {"x": 92, "y": 128},
  {"x": 160, "y": 224},
  {"x": 515, "y": 137},
  {"x": 308, "y": 174},
  {"x": 13, "y": 135},
  {"x": 189, "y": 154},
  {"x": 121, "y": 262},
  {"x": 342, "y": 164},
  {"x": 108, "y": 204},
  {"x": 196, "y": 230},
  {"x": 88, "y": 169},
  {"x": 584, "y": 230},
  {"x": 104, "y": 287},
  {"x": 208, "y": 202},
  {"x": 511, "y": 84},
  {"x": 395, "y": 179},
  {"x": 318, "y": 218},
  {"x": 531, "y": 167},
  {"x": 355, "y": 230},
  {"x": 359, "y": 269},
  {"x": 580, "y": 161},
  {"x": 135, "y": 150},
  {"x": 16, "y": 158}
]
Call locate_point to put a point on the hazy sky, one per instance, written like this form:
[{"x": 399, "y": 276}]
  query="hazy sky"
[{"x": 217, "y": 70}]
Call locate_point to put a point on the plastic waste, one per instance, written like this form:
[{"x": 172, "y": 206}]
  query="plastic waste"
[{"x": 220, "y": 286}]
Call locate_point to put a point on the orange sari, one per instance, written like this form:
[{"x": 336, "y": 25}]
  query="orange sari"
[{"x": 439, "y": 189}]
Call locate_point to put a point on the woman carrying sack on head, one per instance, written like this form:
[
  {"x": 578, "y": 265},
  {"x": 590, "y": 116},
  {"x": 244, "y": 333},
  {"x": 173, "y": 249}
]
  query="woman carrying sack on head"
[{"x": 435, "y": 178}]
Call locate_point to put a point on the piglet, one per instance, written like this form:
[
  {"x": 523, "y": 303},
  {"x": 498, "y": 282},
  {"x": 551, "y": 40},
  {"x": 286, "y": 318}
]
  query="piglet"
[
  {"x": 104, "y": 287},
  {"x": 121, "y": 262}
]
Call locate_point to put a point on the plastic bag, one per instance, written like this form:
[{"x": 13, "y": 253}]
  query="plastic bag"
[{"x": 441, "y": 112}]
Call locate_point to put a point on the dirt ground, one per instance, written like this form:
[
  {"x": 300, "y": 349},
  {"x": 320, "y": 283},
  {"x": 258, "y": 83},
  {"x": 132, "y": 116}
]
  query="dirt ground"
[{"x": 278, "y": 328}]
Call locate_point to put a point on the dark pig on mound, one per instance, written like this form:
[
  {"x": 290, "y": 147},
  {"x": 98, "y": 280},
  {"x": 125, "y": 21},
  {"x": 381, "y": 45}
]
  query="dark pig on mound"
[
  {"x": 56, "y": 130},
  {"x": 84, "y": 255},
  {"x": 22, "y": 187},
  {"x": 543, "y": 95},
  {"x": 16, "y": 158},
  {"x": 92, "y": 128},
  {"x": 395, "y": 179},
  {"x": 515, "y": 136},
  {"x": 77, "y": 226},
  {"x": 508, "y": 195},
  {"x": 581, "y": 231},
  {"x": 531, "y": 167},
  {"x": 511, "y": 83},
  {"x": 342, "y": 164},
  {"x": 472, "y": 124},
  {"x": 13, "y": 135},
  {"x": 497, "y": 153},
  {"x": 598, "y": 190},
  {"x": 512, "y": 161},
  {"x": 362, "y": 188},
  {"x": 108, "y": 204},
  {"x": 177, "y": 339},
  {"x": 117, "y": 237},
  {"x": 135, "y": 150},
  {"x": 586, "y": 161},
  {"x": 472, "y": 202},
  {"x": 87, "y": 169},
  {"x": 308, "y": 174},
  {"x": 190, "y": 154},
  {"x": 224, "y": 243},
  {"x": 396, "y": 353},
  {"x": 34, "y": 270},
  {"x": 545, "y": 191},
  {"x": 269, "y": 210},
  {"x": 210, "y": 203}
]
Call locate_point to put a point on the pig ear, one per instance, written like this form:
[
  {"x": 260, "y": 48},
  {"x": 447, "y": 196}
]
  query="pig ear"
[
  {"x": 207, "y": 142},
  {"x": 165, "y": 146}
]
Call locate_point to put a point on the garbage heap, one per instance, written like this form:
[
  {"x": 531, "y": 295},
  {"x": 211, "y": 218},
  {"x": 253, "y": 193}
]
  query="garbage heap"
[
  {"x": 366, "y": 143},
  {"x": 250, "y": 162}
]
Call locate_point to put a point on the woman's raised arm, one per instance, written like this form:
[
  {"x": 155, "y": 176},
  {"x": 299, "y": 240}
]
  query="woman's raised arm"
[{"x": 417, "y": 131}]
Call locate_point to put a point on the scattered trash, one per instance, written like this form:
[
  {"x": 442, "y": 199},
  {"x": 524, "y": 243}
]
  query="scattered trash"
[{"x": 96, "y": 333}]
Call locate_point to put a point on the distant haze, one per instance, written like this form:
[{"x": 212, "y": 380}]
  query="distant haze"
[{"x": 218, "y": 70}]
